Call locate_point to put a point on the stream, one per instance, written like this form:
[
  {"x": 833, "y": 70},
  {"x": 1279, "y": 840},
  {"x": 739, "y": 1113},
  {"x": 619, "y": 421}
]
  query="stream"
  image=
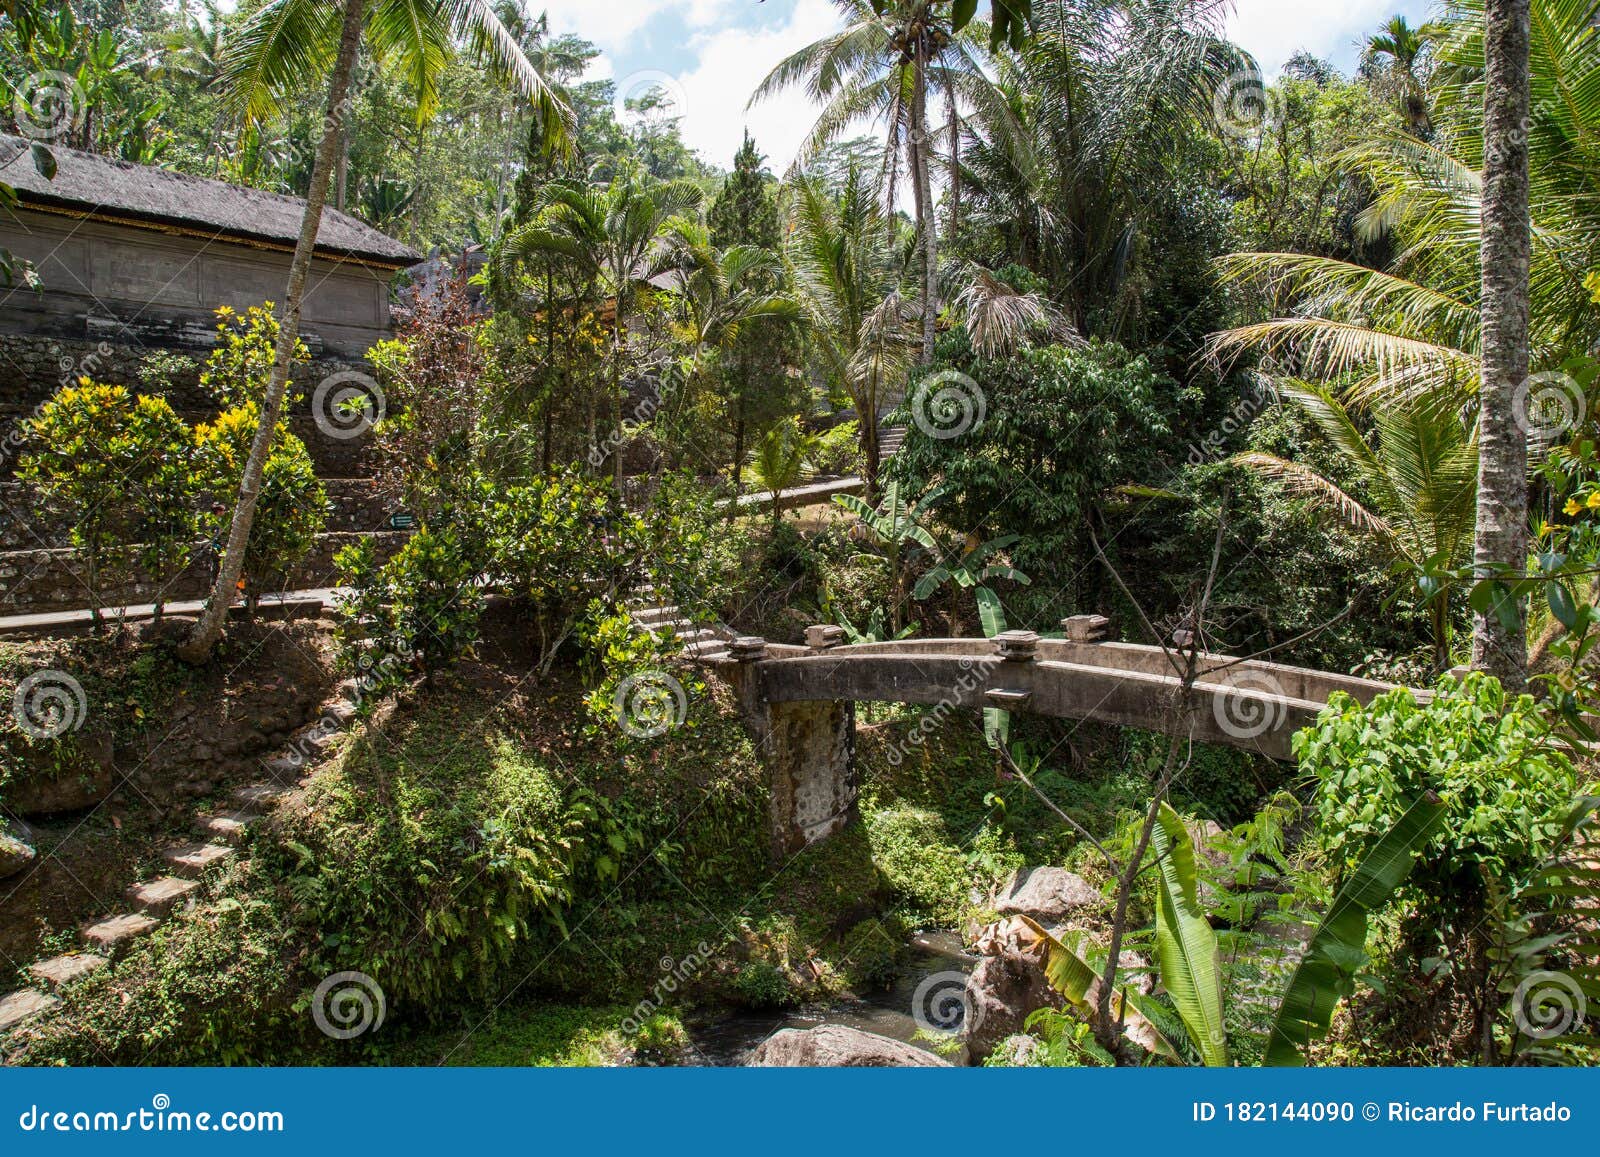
[{"x": 932, "y": 980}]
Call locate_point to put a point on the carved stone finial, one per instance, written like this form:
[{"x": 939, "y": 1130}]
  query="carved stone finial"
[{"x": 1017, "y": 646}]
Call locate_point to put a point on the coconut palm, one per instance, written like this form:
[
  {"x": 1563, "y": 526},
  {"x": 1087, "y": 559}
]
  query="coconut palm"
[
  {"x": 1499, "y": 642},
  {"x": 1100, "y": 112},
  {"x": 846, "y": 272},
  {"x": 1419, "y": 480},
  {"x": 279, "y": 48},
  {"x": 1418, "y": 329},
  {"x": 890, "y": 61}
]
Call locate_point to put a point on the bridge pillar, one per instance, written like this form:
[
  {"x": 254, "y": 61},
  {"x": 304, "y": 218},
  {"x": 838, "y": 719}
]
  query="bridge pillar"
[
  {"x": 811, "y": 767},
  {"x": 809, "y": 751}
]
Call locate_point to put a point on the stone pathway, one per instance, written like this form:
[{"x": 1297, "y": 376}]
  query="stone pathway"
[
  {"x": 187, "y": 866},
  {"x": 65, "y": 622}
]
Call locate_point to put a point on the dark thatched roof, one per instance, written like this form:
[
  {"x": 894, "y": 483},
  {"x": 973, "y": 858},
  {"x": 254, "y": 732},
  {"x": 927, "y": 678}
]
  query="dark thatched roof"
[{"x": 102, "y": 187}]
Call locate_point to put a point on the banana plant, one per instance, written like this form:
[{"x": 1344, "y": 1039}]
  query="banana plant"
[
  {"x": 1189, "y": 958},
  {"x": 896, "y": 524},
  {"x": 972, "y": 572}
]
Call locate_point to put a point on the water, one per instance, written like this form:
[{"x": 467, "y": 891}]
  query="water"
[{"x": 927, "y": 992}]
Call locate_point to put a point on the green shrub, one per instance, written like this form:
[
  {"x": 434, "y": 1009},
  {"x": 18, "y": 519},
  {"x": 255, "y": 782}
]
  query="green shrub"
[
  {"x": 422, "y": 607},
  {"x": 118, "y": 470},
  {"x": 763, "y": 985},
  {"x": 1488, "y": 755},
  {"x": 239, "y": 365},
  {"x": 292, "y": 506},
  {"x": 921, "y": 862}
]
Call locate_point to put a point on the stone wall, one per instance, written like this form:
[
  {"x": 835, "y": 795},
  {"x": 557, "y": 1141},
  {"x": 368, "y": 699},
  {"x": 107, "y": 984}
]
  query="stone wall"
[
  {"x": 33, "y": 368},
  {"x": 34, "y": 581},
  {"x": 101, "y": 279}
]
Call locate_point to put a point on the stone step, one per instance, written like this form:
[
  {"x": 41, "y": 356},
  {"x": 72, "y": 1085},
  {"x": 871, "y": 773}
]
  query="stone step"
[
  {"x": 193, "y": 859},
  {"x": 341, "y": 711},
  {"x": 112, "y": 934},
  {"x": 287, "y": 769},
  {"x": 259, "y": 794},
  {"x": 230, "y": 829},
  {"x": 158, "y": 897},
  {"x": 62, "y": 970},
  {"x": 651, "y": 616},
  {"x": 20, "y": 1006},
  {"x": 349, "y": 689}
]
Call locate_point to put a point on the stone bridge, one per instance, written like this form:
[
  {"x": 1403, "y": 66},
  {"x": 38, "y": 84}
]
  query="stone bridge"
[{"x": 800, "y": 700}]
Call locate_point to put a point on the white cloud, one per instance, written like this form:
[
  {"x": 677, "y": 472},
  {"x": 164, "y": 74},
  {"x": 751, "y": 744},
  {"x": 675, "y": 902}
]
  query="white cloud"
[
  {"x": 1274, "y": 30},
  {"x": 729, "y": 66}
]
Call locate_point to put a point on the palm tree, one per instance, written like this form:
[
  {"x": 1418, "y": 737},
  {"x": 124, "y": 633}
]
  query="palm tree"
[
  {"x": 1100, "y": 111},
  {"x": 720, "y": 293},
  {"x": 278, "y": 48},
  {"x": 1420, "y": 479},
  {"x": 1499, "y": 641},
  {"x": 1429, "y": 327},
  {"x": 1395, "y": 57},
  {"x": 615, "y": 237},
  {"x": 846, "y": 273},
  {"x": 889, "y": 60}
]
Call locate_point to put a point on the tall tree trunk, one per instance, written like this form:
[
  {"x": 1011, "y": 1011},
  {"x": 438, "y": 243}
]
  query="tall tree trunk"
[
  {"x": 197, "y": 648},
  {"x": 342, "y": 173},
  {"x": 1501, "y": 541},
  {"x": 925, "y": 211}
]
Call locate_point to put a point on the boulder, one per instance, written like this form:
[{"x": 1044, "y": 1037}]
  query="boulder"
[
  {"x": 835, "y": 1046},
  {"x": 1048, "y": 895},
  {"x": 1001, "y": 993},
  {"x": 64, "y": 775},
  {"x": 15, "y": 855},
  {"x": 1019, "y": 1052}
]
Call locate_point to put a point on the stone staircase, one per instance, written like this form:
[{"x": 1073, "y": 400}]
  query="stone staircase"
[
  {"x": 658, "y": 616},
  {"x": 186, "y": 865},
  {"x": 890, "y": 439}
]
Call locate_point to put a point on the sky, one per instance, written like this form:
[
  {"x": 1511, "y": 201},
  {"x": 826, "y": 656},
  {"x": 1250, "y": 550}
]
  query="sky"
[{"x": 711, "y": 54}]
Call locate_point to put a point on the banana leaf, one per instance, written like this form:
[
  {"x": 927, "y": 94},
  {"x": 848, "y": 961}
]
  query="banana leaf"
[
  {"x": 1338, "y": 949},
  {"x": 1186, "y": 946},
  {"x": 1079, "y": 983}
]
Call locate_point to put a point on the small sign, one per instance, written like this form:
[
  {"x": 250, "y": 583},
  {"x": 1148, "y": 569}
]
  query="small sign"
[{"x": 402, "y": 522}]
